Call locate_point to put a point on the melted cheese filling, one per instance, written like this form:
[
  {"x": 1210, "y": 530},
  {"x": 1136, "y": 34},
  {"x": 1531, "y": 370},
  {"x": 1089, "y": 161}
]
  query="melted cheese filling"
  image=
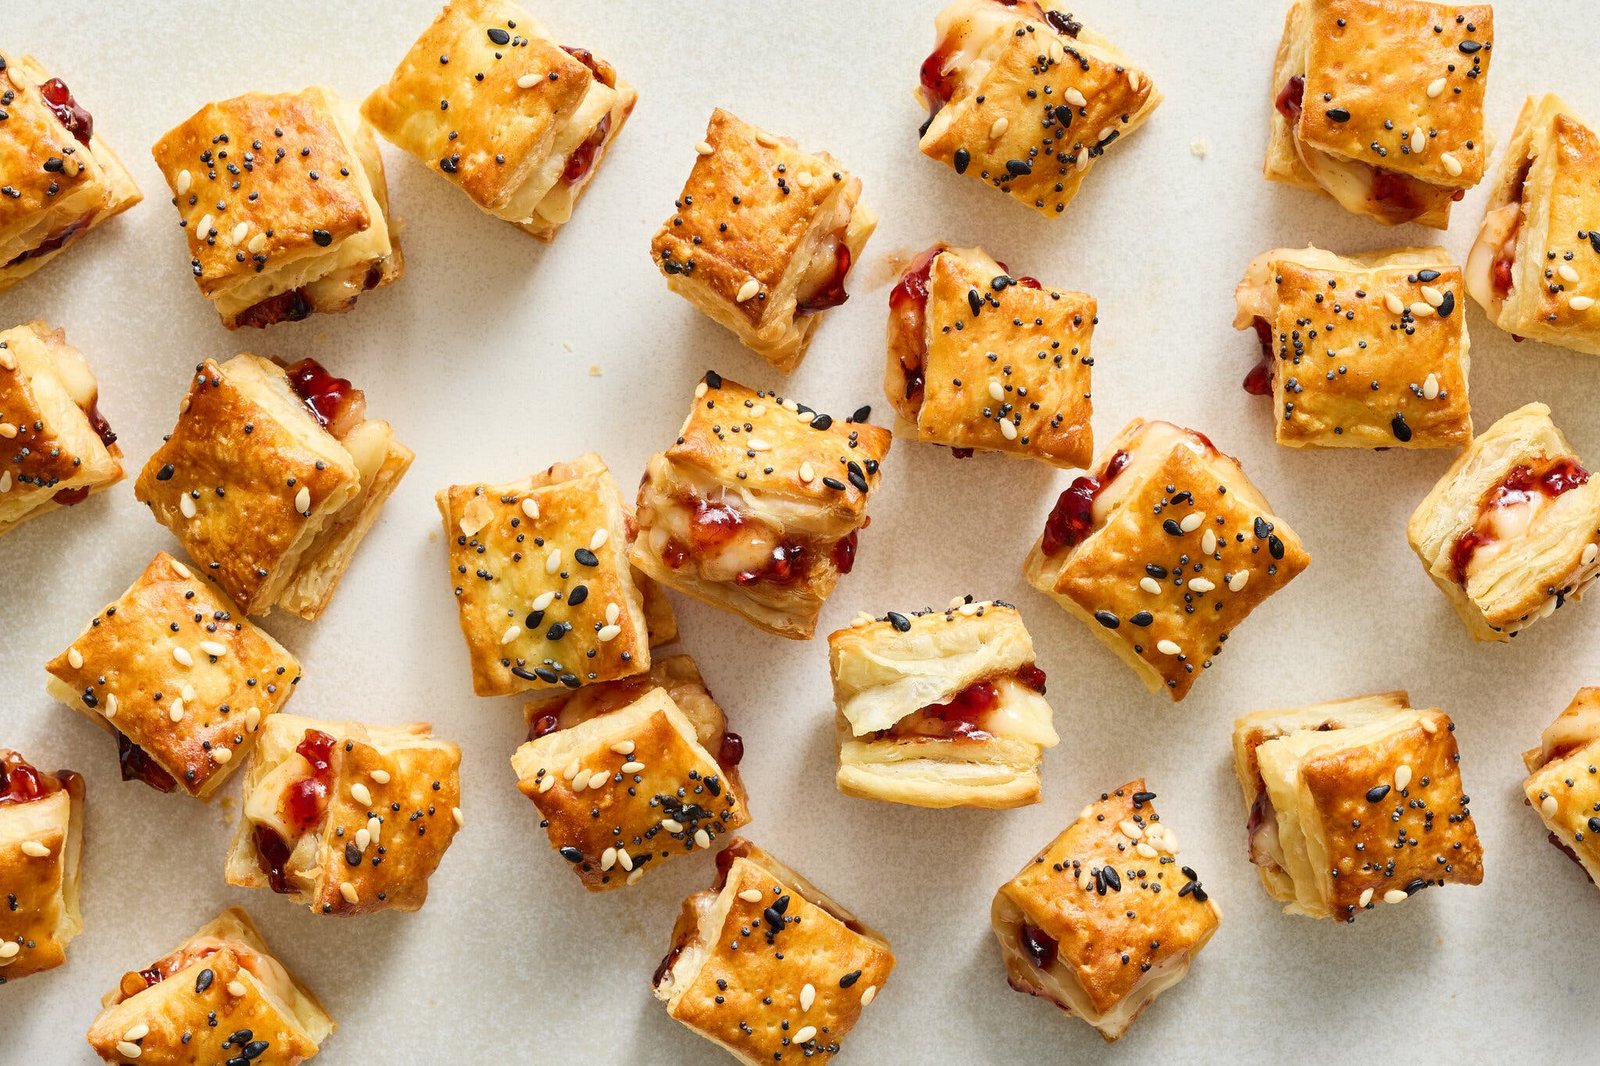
[
  {"x": 1154, "y": 443},
  {"x": 1497, "y": 240},
  {"x": 543, "y": 193}
]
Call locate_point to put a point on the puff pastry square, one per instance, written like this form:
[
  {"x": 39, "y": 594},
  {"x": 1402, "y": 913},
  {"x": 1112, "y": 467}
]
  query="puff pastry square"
[
  {"x": 756, "y": 507},
  {"x": 1535, "y": 267},
  {"x": 271, "y": 479},
  {"x": 763, "y": 237},
  {"x": 1354, "y": 803},
  {"x": 61, "y": 180},
  {"x": 56, "y": 449},
  {"x": 1027, "y": 99},
  {"x": 1379, "y": 104},
  {"x": 41, "y": 858},
  {"x": 766, "y": 966},
  {"x": 1364, "y": 351},
  {"x": 283, "y": 201},
  {"x": 1102, "y": 922},
  {"x": 487, "y": 98},
  {"x": 981, "y": 361},
  {"x": 632, "y": 783},
  {"x": 940, "y": 708},
  {"x": 220, "y": 996},
  {"x": 1162, "y": 551},
  {"x": 346, "y": 818},
  {"x": 1563, "y": 783},
  {"x": 1512, "y": 530},
  {"x": 178, "y": 676},
  {"x": 540, "y": 570}
]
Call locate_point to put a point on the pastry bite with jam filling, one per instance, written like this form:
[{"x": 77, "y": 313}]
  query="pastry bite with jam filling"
[
  {"x": 179, "y": 676},
  {"x": 41, "y": 860},
  {"x": 547, "y": 598},
  {"x": 629, "y": 774},
  {"x": 1563, "y": 783},
  {"x": 981, "y": 361},
  {"x": 755, "y": 509},
  {"x": 1533, "y": 268},
  {"x": 1103, "y": 920},
  {"x": 1354, "y": 803},
  {"x": 1379, "y": 105},
  {"x": 763, "y": 237},
  {"x": 1162, "y": 551},
  {"x": 60, "y": 179},
  {"x": 272, "y": 478},
  {"x": 941, "y": 708},
  {"x": 283, "y": 201},
  {"x": 346, "y": 818},
  {"x": 220, "y": 996},
  {"x": 56, "y": 448},
  {"x": 767, "y": 966},
  {"x": 1364, "y": 351},
  {"x": 491, "y": 101},
  {"x": 1026, "y": 98},
  {"x": 1512, "y": 530}
]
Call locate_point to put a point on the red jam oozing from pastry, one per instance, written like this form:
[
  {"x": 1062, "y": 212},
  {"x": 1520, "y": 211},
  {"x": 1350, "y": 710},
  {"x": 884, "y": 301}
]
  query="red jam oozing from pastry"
[
  {"x": 1039, "y": 946},
  {"x": 1072, "y": 518},
  {"x": 543, "y": 725},
  {"x": 337, "y": 404},
  {"x": 581, "y": 161},
  {"x": 1552, "y": 479},
  {"x": 56, "y": 240},
  {"x": 272, "y": 855},
  {"x": 1501, "y": 276},
  {"x": 1030, "y": 675},
  {"x": 138, "y": 766},
  {"x": 1290, "y": 98},
  {"x": 908, "y": 302},
  {"x": 844, "y": 553},
  {"x": 1396, "y": 194},
  {"x": 786, "y": 564},
  {"x": 1028, "y": 282},
  {"x": 308, "y": 797},
  {"x": 1259, "y": 381},
  {"x": 291, "y": 306},
  {"x": 731, "y": 751},
  {"x": 71, "y": 497},
  {"x": 937, "y": 86},
  {"x": 963, "y": 716},
  {"x": 831, "y": 292},
  {"x": 21, "y": 783},
  {"x": 98, "y": 423},
  {"x": 711, "y": 527},
  {"x": 603, "y": 72},
  {"x": 71, "y": 114}
]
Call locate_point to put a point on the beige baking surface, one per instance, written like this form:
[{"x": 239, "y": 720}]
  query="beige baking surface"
[{"x": 495, "y": 355}]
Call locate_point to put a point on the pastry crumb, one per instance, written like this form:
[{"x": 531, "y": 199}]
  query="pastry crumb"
[
  {"x": 1200, "y": 149},
  {"x": 594, "y": 370}
]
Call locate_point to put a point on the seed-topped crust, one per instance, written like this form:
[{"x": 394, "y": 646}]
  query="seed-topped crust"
[{"x": 41, "y": 849}]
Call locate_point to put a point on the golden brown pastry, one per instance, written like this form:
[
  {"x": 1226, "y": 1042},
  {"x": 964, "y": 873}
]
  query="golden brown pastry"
[
  {"x": 1533, "y": 268},
  {"x": 1512, "y": 530},
  {"x": 283, "y": 199},
  {"x": 1380, "y": 105},
  {"x": 177, "y": 674},
  {"x": 763, "y": 237},
  {"x": 272, "y": 478},
  {"x": 220, "y": 996},
  {"x": 632, "y": 782},
  {"x": 487, "y": 98},
  {"x": 540, "y": 571},
  {"x": 1101, "y": 922},
  {"x": 1354, "y": 803},
  {"x": 981, "y": 361},
  {"x": 1563, "y": 782},
  {"x": 1024, "y": 97},
  {"x": 766, "y": 966},
  {"x": 1162, "y": 551},
  {"x": 56, "y": 449},
  {"x": 60, "y": 180},
  {"x": 940, "y": 708},
  {"x": 1364, "y": 351},
  {"x": 41, "y": 858},
  {"x": 756, "y": 507},
  {"x": 346, "y": 818}
]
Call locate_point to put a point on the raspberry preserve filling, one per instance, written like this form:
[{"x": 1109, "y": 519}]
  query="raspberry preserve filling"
[
  {"x": 908, "y": 303},
  {"x": 1040, "y": 947},
  {"x": 102, "y": 429},
  {"x": 21, "y": 783},
  {"x": 830, "y": 292},
  {"x": 1291, "y": 97},
  {"x": 1551, "y": 479},
  {"x": 291, "y": 306},
  {"x": 67, "y": 110},
  {"x": 965, "y": 715},
  {"x": 59, "y": 239},
  {"x": 1072, "y": 518},
  {"x": 714, "y": 525},
  {"x": 304, "y": 804},
  {"x": 1259, "y": 381},
  {"x": 581, "y": 161},
  {"x": 336, "y": 403},
  {"x": 137, "y": 765}
]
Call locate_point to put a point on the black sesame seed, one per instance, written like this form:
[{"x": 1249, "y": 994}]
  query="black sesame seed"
[
  {"x": 322, "y": 237},
  {"x": 1338, "y": 114},
  {"x": 571, "y": 854},
  {"x": 900, "y": 622},
  {"x": 165, "y": 473},
  {"x": 962, "y": 158},
  {"x": 1107, "y": 619},
  {"x": 499, "y": 36},
  {"x": 1376, "y": 794}
]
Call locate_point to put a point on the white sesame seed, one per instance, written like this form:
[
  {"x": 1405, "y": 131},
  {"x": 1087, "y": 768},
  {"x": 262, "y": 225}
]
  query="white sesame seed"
[
  {"x": 996, "y": 389},
  {"x": 302, "y": 500},
  {"x": 547, "y": 782},
  {"x": 5, "y": 481},
  {"x": 182, "y": 655},
  {"x": 702, "y": 839},
  {"x": 1200, "y": 584},
  {"x": 181, "y": 570},
  {"x": 543, "y": 600},
  {"x": 1191, "y": 522},
  {"x": 1421, "y": 309},
  {"x": 1452, "y": 165},
  {"x": 75, "y": 658},
  {"x": 748, "y": 290},
  {"x": 9, "y": 949},
  {"x": 186, "y": 693},
  {"x": 998, "y": 128},
  {"x": 1150, "y": 585},
  {"x": 128, "y": 1050},
  {"x": 1395, "y": 895},
  {"x": 552, "y": 562},
  {"x": 758, "y": 444},
  {"x": 869, "y": 995},
  {"x": 1208, "y": 541},
  {"x": 236, "y": 989},
  {"x": 186, "y": 506},
  {"x": 1430, "y": 387},
  {"x": 213, "y": 648},
  {"x": 1394, "y": 303},
  {"x": 1567, "y": 273},
  {"x": 1549, "y": 806},
  {"x": 204, "y": 227},
  {"x": 530, "y": 507},
  {"x": 1590, "y": 551},
  {"x": 805, "y": 1035},
  {"x": 1402, "y": 777},
  {"x": 1008, "y": 430},
  {"x": 598, "y": 778},
  {"x": 461, "y": 821},
  {"x": 363, "y": 838},
  {"x": 240, "y": 231},
  {"x": 1130, "y": 829},
  {"x": 751, "y": 895},
  {"x": 672, "y": 825},
  {"x": 111, "y": 706},
  {"x": 1167, "y": 647},
  {"x": 252, "y": 719},
  {"x": 599, "y": 539},
  {"x": 1075, "y": 98},
  {"x": 766, "y": 140},
  {"x": 528, "y": 81},
  {"x": 222, "y": 755},
  {"x": 1429, "y": 726},
  {"x": 702, "y": 148},
  {"x": 348, "y": 891},
  {"x": 808, "y": 996},
  {"x": 512, "y": 633},
  {"x": 573, "y": 768},
  {"x": 1418, "y": 140},
  {"x": 625, "y": 861},
  {"x": 1134, "y": 80},
  {"x": 1432, "y": 295},
  {"x": 608, "y": 859},
  {"x": 608, "y": 633},
  {"x": 1237, "y": 582},
  {"x": 361, "y": 794},
  {"x": 579, "y": 783},
  {"x": 1581, "y": 303},
  {"x": 380, "y": 776},
  {"x": 374, "y": 829},
  {"x": 632, "y": 767},
  {"x": 185, "y": 179},
  {"x": 807, "y": 474},
  {"x": 613, "y": 612},
  {"x": 1366, "y": 897},
  {"x": 700, "y": 390},
  {"x": 1145, "y": 850},
  {"x": 35, "y": 850},
  {"x": 258, "y": 242},
  {"x": 803, "y": 179},
  {"x": 8, "y": 430},
  {"x": 1435, "y": 88},
  {"x": 623, "y": 747}
]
